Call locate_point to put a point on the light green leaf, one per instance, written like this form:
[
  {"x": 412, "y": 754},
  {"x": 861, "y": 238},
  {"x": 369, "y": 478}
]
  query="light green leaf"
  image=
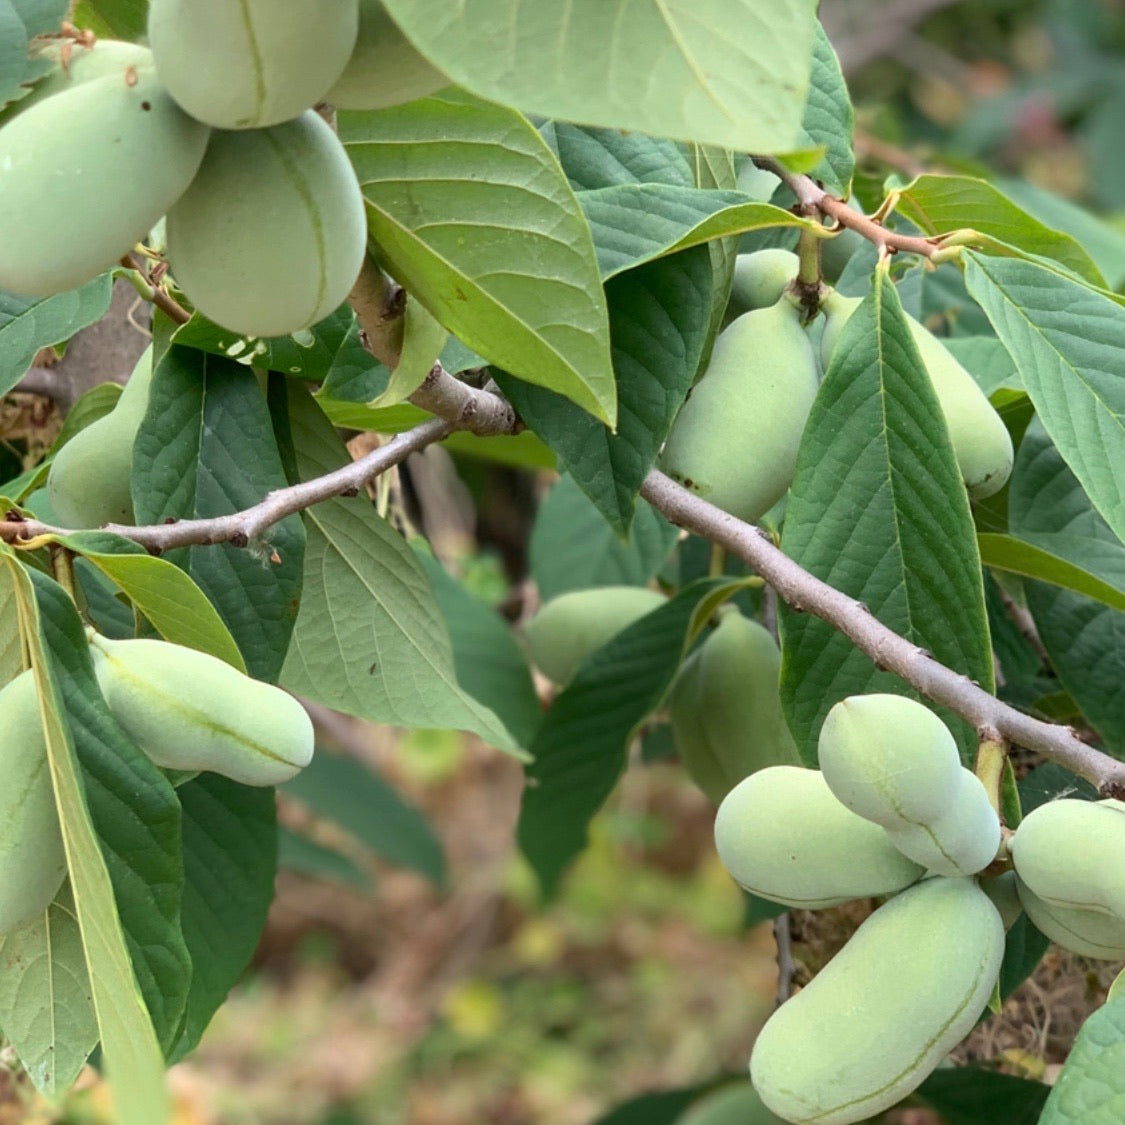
[
  {"x": 1090, "y": 1090},
  {"x": 829, "y": 118},
  {"x": 46, "y": 1006},
  {"x": 473, "y": 215},
  {"x": 1018, "y": 556},
  {"x": 733, "y": 73},
  {"x": 11, "y": 647},
  {"x": 1068, "y": 344},
  {"x": 113, "y": 19},
  {"x": 422, "y": 340}
]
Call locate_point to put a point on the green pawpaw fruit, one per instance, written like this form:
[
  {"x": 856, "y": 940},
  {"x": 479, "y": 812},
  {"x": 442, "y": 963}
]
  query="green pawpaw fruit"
[
  {"x": 32, "y": 859},
  {"x": 89, "y": 481},
  {"x": 782, "y": 835},
  {"x": 384, "y": 69},
  {"x": 572, "y": 626},
  {"x": 981, "y": 442},
  {"x": 1091, "y": 933},
  {"x": 726, "y": 710},
  {"x": 271, "y": 235},
  {"x": 760, "y": 279},
  {"x": 893, "y": 761},
  {"x": 885, "y": 1011},
  {"x": 1060, "y": 852},
  {"x": 254, "y": 63},
  {"x": 735, "y": 439},
  {"x": 85, "y": 174},
  {"x": 188, "y": 710}
]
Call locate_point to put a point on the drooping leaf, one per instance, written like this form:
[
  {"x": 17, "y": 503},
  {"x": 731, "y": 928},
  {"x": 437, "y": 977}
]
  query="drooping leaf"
[
  {"x": 493, "y": 243},
  {"x": 1090, "y": 1090},
  {"x": 878, "y": 511}
]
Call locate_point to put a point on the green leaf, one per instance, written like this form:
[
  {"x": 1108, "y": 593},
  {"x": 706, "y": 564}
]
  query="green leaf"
[
  {"x": 1015, "y": 555},
  {"x": 40, "y": 17},
  {"x": 369, "y": 638},
  {"x": 134, "y": 811},
  {"x": 940, "y": 204},
  {"x": 361, "y": 802},
  {"x": 597, "y": 158},
  {"x": 970, "y": 1096},
  {"x": 206, "y": 448},
  {"x": 829, "y": 118},
  {"x": 1090, "y": 1090},
  {"x": 28, "y": 324},
  {"x": 13, "y": 52},
  {"x": 490, "y": 666},
  {"x": 298, "y": 853},
  {"x": 1024, "y": 947},
  {"x": 166, "y": 595},
  {"x": 733, "y": 73},
  {"x": 878, "y": 511},
  {"x": 987, "y": 360},
  {"x": 1067, "y": 343},
  {"x": 422, "y": 341},
  {"x": 132, "y": 1054},
  {"x": 11, "y": 647},
  {"x": 113, "y": 19},
  {"x": 493, "y": 243},
  {"x": 580, "y": 749},
  {"x": 572, "y": 547},
  {"x": 46, "y": 1006},
  {"x": 658, "y": 319},
  {"x": 230, "y": 857},
  {"x": 635, "y": 223}
]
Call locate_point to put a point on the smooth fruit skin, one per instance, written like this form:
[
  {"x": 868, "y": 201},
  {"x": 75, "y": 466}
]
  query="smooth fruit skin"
[
  {"x": 736, "y": 437},
  {"x": 886, "y": 1010},
  {"x": 87, "y": 173},
  {"x": 1072, "y": 854},
  {"x": 1088, "y": 932},
  {"x": 981, "y": 442},
  {"x": 249, "y": 64},
  {"x": 89, "y": 481},
  {"x": 760, "y": 278},
  {"x": 782, "y": 835},
  {"x": 572, "y": 626},
  {"x": 188, "y": 710},
  {"x": 271, "y": 235},
  {"x": 384, "y": 69},
  {"x": 725, "y": 707},
  {"x": 32, "y": 858}
]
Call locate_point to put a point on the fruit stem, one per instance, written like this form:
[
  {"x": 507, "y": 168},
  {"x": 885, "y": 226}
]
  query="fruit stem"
[
  {"x": 62, "y": 567},
  {"x": 808, "y": 285}
]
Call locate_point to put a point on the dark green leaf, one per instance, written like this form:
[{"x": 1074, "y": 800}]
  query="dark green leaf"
[
  {"x": 307, "y": 857},
  {"x": 597, "y": 158},
  {"x": 972, "y": 1096}
]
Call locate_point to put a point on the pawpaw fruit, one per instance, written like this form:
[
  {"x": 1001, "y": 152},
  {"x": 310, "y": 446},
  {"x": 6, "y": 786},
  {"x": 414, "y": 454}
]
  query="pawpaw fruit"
[
  {"x": 892, "y": 760},
  {"x": 85, "y": 174},
  {"x": 1092, "y": 933},
  {"x": 760, "y": 279},
  {"x": 725, "y": 707},
  {"x": 782, "y": 835},
  {"x": 89, "y": 481},
  {"x": 735, "y": 440},
  {"x": 32, "y": 858},
  {"x": 384, "y": 69},
  {"x": 885, "y": 1011},
  {"x": 271, "y": 235},
  {"x": 981, "y": 442},
  {"x": 1071, "y": 854},
  {"x": 573, "y": 625},
  {"x": 254, "y": 63},
  {"x": 188, "y": 710}
]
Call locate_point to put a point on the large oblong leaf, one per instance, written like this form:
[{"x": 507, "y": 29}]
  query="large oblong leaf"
[
  {"x": 473, "y": 215},
  {"x": 1090, "y": 1090},
  {"x": 877, "y": 510},
  {"x": 733, "y": 73}
]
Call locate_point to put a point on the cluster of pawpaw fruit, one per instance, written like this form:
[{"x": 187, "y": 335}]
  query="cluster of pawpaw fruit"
[
  {"x": 890, "y": 812},
  {"x": 187, "y": 710},
  {"x": 736, "y": 438},
  {"x": 213, "y": 127}
]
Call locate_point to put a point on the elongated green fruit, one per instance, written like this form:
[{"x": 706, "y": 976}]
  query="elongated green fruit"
[
  {"x": 783, "y": 835},
  {"x": 886, "y": 1010},
  {"x": 87, "y": 173},
  {"x": 190, "y": 711},
  {"x": 32, "y": 859},
  {"x": 981, "y": 442},
  {"x": 570, "y": 627},
  {"x": 1088, "y": 932},
  {"x": 760, "y": 278},
  {"x": 248, "y": 64},
  {"x": 735, "y": 439},
  {"x": 1072, "y": 854},
  {"x": 384, "y": 69},
  {"x": 726, "y": 710},
  {"x": 88, "y": 484},
  {"x": 271, "y": 234}
]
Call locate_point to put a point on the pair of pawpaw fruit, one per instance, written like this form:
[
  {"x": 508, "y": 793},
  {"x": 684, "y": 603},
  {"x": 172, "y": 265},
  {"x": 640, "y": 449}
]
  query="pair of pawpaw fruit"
[{"x": 187, "y": 710}]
